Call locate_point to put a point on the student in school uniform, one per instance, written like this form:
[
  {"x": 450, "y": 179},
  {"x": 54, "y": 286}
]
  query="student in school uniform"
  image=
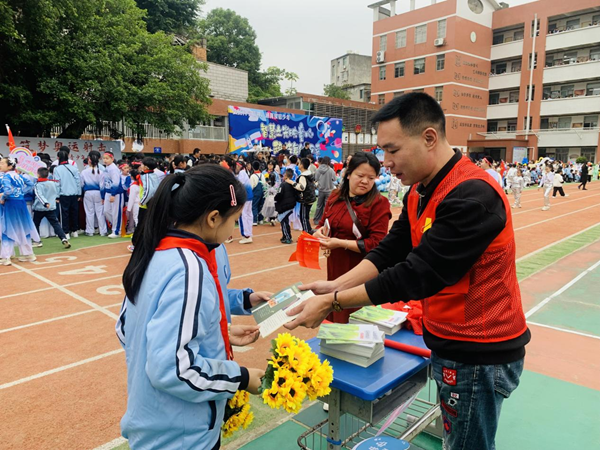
[
  {"x": 44, "y": 206},
  {"x": 91, "y": 185},
  {"x": 173, "y": 323},
  {"x": 69, "y": 192},
  {"x": 114, "y": 197},
  {"x": 148, "y": 184}
]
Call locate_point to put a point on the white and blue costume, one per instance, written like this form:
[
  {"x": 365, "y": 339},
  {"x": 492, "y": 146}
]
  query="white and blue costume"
[
  {"x": 178, "y": 375},
  {"x": 112, "y": 187},
  {"x": 246, "y": 217},
  {"x": 91, "y": 185},
  {"x": 16, "y": 223}
]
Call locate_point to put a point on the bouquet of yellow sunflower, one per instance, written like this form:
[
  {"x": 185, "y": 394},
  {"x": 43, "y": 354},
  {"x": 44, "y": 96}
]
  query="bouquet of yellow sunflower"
[
  {"x": 237, "y": 413},
  {"x": 294, "y": 373}
]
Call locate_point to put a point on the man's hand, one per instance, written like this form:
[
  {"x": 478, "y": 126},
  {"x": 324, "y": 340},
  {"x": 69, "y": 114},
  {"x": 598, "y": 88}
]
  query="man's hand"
[
  {"x": 312, "y": 312},
  {"x": 320, "y": 287},
  {"x": 259, "y": 297},
  {"x": 241, "y": 335},
  {"x": 112, "y": 198}
]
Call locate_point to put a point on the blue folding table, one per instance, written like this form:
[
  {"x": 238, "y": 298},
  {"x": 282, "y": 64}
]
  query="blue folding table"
[{"x": 372, "y": 393}]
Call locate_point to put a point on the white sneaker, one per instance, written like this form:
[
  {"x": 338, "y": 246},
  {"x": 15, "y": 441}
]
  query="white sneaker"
[
  {"x": 74, "y": 234},
  {"x": 6, "y": 262},
  {"x": 67, "y": 236},
  {"x": 254, "y": 224},
  {"x": 566, "y": 195},
  {"x": 27, "y": 258},
  {"x": 37, "y": 244},
  {"x": 89, "y": 234},
  {"x": 229, "y": 241},
  {"x": 545, "y": 208},
  {"x": 112, "y": 236},
  {"x": 66, "y": 243},
  {"x": 246, "y": 240}
]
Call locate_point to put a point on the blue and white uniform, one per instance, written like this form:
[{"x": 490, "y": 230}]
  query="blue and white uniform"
[
  {"x": 112, "y": 187},
  {"x": 246, "y": 217},
  {"x": 178, "y": 375},
  {"x": 16, "y": 224},
  {"x": 91, "y": 185}
]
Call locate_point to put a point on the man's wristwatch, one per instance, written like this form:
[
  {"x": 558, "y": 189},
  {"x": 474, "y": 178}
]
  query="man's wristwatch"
[{"x": 335, "y": 304}]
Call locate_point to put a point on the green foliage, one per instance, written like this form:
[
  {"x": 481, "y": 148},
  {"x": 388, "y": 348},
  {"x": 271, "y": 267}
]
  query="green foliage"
[
  {"x": 231, "y": 41},
  {"x": 83, "y": 62},
  {"x": 331, "y": 90},
  {"x": 581, "y": 160},
  {"x": 172, "y": 16}
]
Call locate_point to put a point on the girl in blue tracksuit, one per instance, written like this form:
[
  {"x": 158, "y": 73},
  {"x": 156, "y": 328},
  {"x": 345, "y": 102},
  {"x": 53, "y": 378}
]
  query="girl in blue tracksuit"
[
  {"x": 113, "y": 195},
  {"x": 174, "y": 320}
]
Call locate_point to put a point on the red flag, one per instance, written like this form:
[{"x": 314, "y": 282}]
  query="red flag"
[
  {"x": 307, "y": 251},
  {"x": 11, "y": 139},
  {"x": 502, "y": 168}
]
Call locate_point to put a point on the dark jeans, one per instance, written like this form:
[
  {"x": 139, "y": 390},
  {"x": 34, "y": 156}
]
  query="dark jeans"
[
  {"x": 560, "y": 190},
  {"x": 69, "y": 208},
  {"x": 38, "y": 216},
  {"x": 471, "y": 398}
]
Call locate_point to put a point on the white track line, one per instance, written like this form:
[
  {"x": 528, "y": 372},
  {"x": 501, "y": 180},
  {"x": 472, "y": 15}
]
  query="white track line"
[
  {"x": 66, "y": 291},
  {"x": 59, "y": 369},
  {"x": 112, "y": 444},
  {"x": 544, "y": 302},
  {"x": 556, "y": 217},
  {"x": 54, "y": 319},
  {"x": 555, "y": 204},
  {"x": 564, "y": 330}
]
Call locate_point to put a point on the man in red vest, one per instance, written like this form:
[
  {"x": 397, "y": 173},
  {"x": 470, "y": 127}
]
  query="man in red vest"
[{"x": 453, "y": 248}]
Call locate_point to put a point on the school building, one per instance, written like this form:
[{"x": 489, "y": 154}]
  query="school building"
[{"x": 512, "y": 81}]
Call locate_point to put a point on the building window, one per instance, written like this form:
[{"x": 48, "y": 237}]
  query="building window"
[
  {"x": 498, "y": 39},
  {"x": 499, "y": 69},
  {"x": 593, "y": 89},
  {"x": 552, "y": 27},
  {"x": 441, "y": 28},
  {"x": 419, "y": 66},
  {"x": 564, "y": 122},
  {"x": 401, "y": 39},
  {"x": 534, "y": 61},
  {"x": 421, "y": 34},
  {"x": 439, "y": 90},
  {"x": 361, "y": 94},
  {"x": 544, "y": 124},
  {"x": 590, "y": 121},
  {"x": 492, "y": 127},
  {"x": 381, "y": 99},
  {"x": 515, "y": 66},
  {"x": 567, "y": 91},
  {"x": 399, "y": 70},
  {"x": 383, "y": 43},
  {"x": 494, "y": 98},
  {"x": 532, "y": 94},
  {"x": 381, "y": 73},
  {"x": 525, "y": 123},
  {"x": 398, "y": 94},
  {"x": 595, "y": 54},
  {"x": 512, "y": 126},
  {"x": 570, "y": 57},
  {"x": 440, "y": 62},
  {"x": 519, "y": 35},
  {"x": 573, "y": 24},
  {"x": 513, "y": 97}
]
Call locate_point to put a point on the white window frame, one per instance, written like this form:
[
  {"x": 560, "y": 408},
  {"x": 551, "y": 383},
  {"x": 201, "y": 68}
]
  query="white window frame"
[
  {"x": 440, "y": 59},
  {"x": 401, "y": 39},
  {"x": 441, "y": 29},
  {"x": 421, "y": 34},
  {"x": 382, "y": 73},
  {"x": 383, "y": 43}
]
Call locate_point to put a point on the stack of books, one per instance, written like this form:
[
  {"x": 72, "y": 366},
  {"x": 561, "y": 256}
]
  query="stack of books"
[
  {"x": 357, "y": 344},
  {"x": 386, "y": 320}
]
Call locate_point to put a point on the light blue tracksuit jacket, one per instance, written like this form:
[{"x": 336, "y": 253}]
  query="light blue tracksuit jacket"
[
  {"x": 178, "y": 376},
  {"x": 68, "y": 179}
]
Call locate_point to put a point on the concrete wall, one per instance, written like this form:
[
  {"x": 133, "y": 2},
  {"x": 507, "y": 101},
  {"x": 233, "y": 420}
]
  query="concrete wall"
[{"x": 227, "y": 83}]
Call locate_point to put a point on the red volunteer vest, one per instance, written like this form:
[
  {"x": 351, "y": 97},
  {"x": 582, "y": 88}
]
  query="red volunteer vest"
[{"x": 485, "y": 305}]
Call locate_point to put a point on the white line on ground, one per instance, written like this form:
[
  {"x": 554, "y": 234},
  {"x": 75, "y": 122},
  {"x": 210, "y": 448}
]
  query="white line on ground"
[
  {"x": 544, "y": 302},
  {"x": 556, "y": 217},
  {"x": 54, "y": 319},
  {"x": 539, "y": 250},
  {"x": 59, "y": 369},
  {"x": 560, "y": 203},
  {"x": 112, "y": 444},
  {"x": 564, "y": 330},
  {"x": 66, "y": 291}
]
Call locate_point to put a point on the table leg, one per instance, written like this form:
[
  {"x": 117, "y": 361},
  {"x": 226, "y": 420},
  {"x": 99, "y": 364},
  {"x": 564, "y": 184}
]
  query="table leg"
[{"x": 334, "y": 441}]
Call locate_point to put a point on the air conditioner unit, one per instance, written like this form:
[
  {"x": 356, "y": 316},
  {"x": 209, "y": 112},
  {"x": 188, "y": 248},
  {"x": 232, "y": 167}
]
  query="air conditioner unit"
[
  {"x": 439, "y": 42},
  {"x": 380, "y": 56}
]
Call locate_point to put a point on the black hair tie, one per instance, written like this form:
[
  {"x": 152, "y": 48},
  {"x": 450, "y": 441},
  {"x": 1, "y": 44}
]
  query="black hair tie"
[{"x": 179, "y": 181}]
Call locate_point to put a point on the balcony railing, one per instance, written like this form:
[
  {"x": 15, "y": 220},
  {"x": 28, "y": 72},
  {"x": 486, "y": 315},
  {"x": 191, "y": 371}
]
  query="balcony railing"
[{"x": 206, "y": 133}]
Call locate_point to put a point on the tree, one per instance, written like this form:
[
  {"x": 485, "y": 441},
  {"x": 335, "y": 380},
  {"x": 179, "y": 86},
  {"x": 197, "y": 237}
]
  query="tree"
[
  {"x": 331, "y": 90},
  {"x": 231, "y": 41},
  {"x": 172, "y": 16},
  {"x": 75, "y": 63}
]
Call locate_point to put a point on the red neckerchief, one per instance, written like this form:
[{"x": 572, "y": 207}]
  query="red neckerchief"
[
  {"x": 199, "y": 248},
  {"x": 41, "y": 180},
  {"x": 63, "y": 163}
]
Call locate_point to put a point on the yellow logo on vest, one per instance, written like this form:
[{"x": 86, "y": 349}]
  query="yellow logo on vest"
[{"x": 427, "y": 226}]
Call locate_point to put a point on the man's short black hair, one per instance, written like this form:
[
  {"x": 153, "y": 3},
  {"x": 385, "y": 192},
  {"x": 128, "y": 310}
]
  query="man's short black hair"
[
  {"x": 289, "y": 173},
  {"x": 150, "y": 163},
  {"x": 43, "y": 172},
  {"x": 196, "y": 150},
  {"x": 416, "y": 111},
  {"x": 256, "y": 165},
  {"x": 294, "y": 159}
]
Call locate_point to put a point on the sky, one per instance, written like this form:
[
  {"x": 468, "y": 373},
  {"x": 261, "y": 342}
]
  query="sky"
[{"x": 303, "y": 36}]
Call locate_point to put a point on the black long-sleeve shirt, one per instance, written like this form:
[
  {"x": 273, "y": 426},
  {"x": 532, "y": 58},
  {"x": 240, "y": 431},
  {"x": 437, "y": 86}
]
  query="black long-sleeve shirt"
[{"x": 467, "y": 221}]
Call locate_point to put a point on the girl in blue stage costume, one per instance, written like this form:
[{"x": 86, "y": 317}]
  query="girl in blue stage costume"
[
  {"x": 174, "y": 320},
  {"x": 16, "y": 224}
]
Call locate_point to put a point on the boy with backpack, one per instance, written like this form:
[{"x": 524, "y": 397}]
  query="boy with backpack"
[
  {"x": 285, "y": 202},
  {"x": 258, "y": 184},
  {"x": 305, "y": 193}
]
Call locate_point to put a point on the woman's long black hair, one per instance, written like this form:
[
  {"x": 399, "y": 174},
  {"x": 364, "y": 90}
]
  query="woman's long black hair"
[
  {"x": 181, "y": 199},
  {"x": 358, "y": 159}
]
